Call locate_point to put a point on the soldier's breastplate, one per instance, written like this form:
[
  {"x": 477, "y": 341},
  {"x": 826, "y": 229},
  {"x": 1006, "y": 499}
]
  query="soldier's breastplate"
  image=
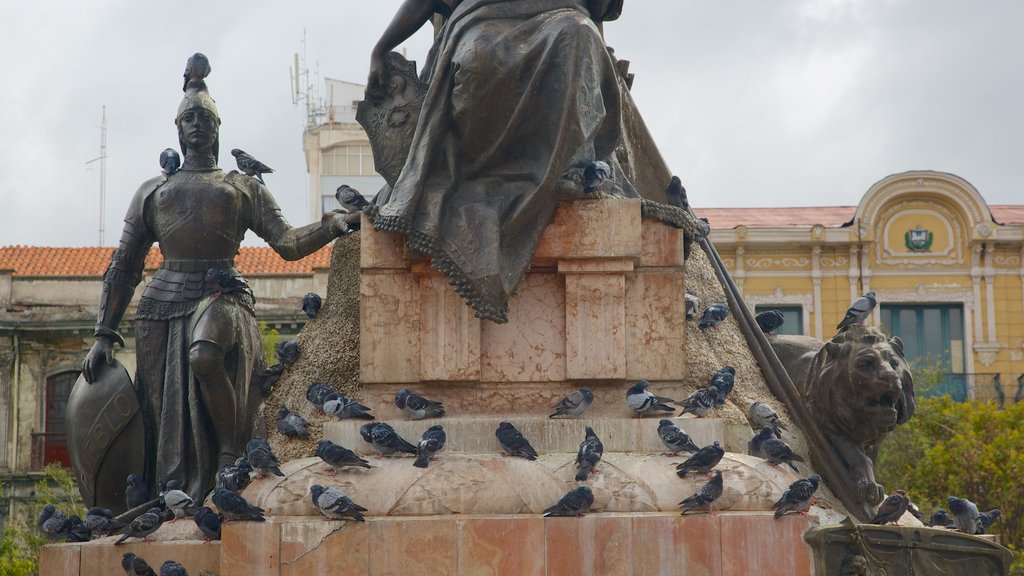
[{"x": 197, "y": 216}]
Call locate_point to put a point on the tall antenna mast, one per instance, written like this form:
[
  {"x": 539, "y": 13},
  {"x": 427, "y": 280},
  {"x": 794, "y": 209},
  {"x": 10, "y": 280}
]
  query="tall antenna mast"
[
  {"x": 102, "y": 158},
  {"x": 304, "y": 88}
]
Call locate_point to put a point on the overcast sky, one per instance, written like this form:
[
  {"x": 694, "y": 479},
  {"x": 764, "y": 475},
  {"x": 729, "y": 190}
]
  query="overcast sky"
[{"x": 752, "y": 103}]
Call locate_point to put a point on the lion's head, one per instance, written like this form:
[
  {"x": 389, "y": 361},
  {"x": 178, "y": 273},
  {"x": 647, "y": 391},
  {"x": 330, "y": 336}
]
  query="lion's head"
[{"x": 860, "y": 386}]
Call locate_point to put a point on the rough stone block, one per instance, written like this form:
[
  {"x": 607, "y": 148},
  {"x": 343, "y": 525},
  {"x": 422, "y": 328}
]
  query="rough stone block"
[
  {"x": 389, "y": 328},
  {"x": 671, "y": 545},
  {"x": 449, "y": 333},
  {"x": 592, "y": 229},
  {"x": 312, "y": 546},
  {"x": 397, "y": 548},
  {"x": 595, "y": 326},
  {"x": 531, "y": 347},
  {"x": 655, "y": 326},
  {"x": 251, "y": 548},
  {"x": 380, "y": 249},
  {"x": 102, "y": 557},
  {"x": 498, "y": 546},
  {"x": 769, "y": 547},
  {"x": 661, "y": 245},
  {"x": 594, "y": 544},
  {"x": 60, "y": 560}
]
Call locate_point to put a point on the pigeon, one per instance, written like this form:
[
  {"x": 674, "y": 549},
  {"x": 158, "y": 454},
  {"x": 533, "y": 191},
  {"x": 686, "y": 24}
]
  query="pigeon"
[
  {"x": 965, "y": 514},
  {"x": 675, "y": 193},
  {"x": 513, "y": 442},
  {"x": 337, "y": 404},
  {"x": 692, "y": 306},
  {"x": 235, "y": 476},
  {"x": 269, "y": 378},
  {"x": 288, "y": 352},
  {"x": 574, "y": 404},
  {"x": 222, "y": 281},
  {"x": 143, "y": 525},
  {"x": 178, "y": 503},
  {"x": 760, "y": 415},
  {"x": 171, "y": 484},
  {"x": 987, "y": 519},
  {"x": 337, "y": 456},
  {"x": 53, "y": 523},
  {"x": 196, "y": 68},
  {"x": 135, "y": 566},
  {"x": 170, "y": 161},
  {"x": 350, "y": 198},
  {"x": 589, "y": 455},
  {"x": 234, "y": 507},
  {"x": 136, "y": 494},
  {"x": 674, "y": 439},
  {"x": 77, "y": 530},
  {"x": 858, "y": 312},
  {"x": 317, "y": 393},
  {"x": 769, "y": 321},
  {"x": 754, "y": 444},
  {"x": 723, "y": 381},
  {"x": 417, "y": 407},
  {"x": 208, "y": 522},
  {"x": 700, "y": 402},
  {"x": 940, "y": 519},
  {"x": 250, "y": 165},
  {"x": 431, "y": 442},
  {"x": 702, "y": 461},
  {"x": 102, "y": 521},
  {"x": 262, "y": 459},
  {"x": 797, "y": 498},
  {"x": 777, "y": 451},
  {"x": 386, "y": 441},
  {"x": 172, "y": 568},
  {"x": 333, "y": 503},
  {"x": 291, "y": 424},
  {"x": 706, "y": 496},
  {"x": 892, "y": 509},
  {"x": 714, "y": 314},
  {"x": 594, "y": 175},
  {"x": 641, "y": 401},
  {"x": 311, "y": 304},
  {"x": 575, "y": 502}
]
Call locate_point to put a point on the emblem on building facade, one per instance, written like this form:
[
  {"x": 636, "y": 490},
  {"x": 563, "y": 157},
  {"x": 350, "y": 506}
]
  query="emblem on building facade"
[{"x": 918, "y": 239}]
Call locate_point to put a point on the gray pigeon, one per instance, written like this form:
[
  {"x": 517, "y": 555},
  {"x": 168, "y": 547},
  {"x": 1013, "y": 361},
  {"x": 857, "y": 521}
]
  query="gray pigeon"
[
  {"x": 235, "y": 476},
  {"x": 692, "y": 306},
  {"x": 178, "y": 503},
  {"x": 337, "y": 456},
  {"x": 723, "y": 382},
  {"x": 208, "y": 522},
  {"x": 333, "y": 503},
  {"x": 311, "y": 304},
  {"x": 386, "y": 441},
  {"x": 250, "y": 165},
  {"x": 859, "y": 311},
  {"x": 431, "y": 443},
  {"x": 761, "y": 415},
  {"x": 170, "y": 161},
  {"x": 574, "y": 404},
  {"x": 590, "y": 452},
  {"x": 940, "y": 519},
  {"x": 172, "y": 568},
  {"x": 700, "y": 402},
  {"x": 702, "y": 461},
  {"x": 706, "y": 496},
  {"x": 713, "y": 315},
  {"x": 196, "y": 68},
  {"x": 892, "y": 509},
  {"x": 269, "y": 378},
  {"x": 102, "y": 521},
  {"x": 143, "y": 525},
  {"x": 261, "y": 458},
  {"x": 234, "y": 507},
  {"x": 317, "y": 393},
  {"x": 513, "y": 442},
  {"x": 337, "y": 404},
  {"x": 754, "y": 447},
  {"x": 965, "y": 514},
  {"x": 417, "y": 407},
  {"x": 136, "y": 494},
  {"x": 987, "y": 519},
  {"x": 642, "y": 402},
  {"x": 675, "y": 193},
  {"x": 674, "y": 439},
  {"x": 288, "y": 352},
  {"x": 797, "y": 498},
  {"x": 769, "y": 321},
  {"x": 777, "y": 451},
  {"x": 135, "y": 566},
  {"x": 53, "y": 523},
  {"x": 594, "y": 176},
  {"x": 350, "y": 198},
  {"x": 575, "y": 502},
  {"x": 291, "y": 424}
]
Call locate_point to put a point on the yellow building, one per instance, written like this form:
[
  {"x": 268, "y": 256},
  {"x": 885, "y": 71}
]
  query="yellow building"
[{"x": 947, "y": 270}]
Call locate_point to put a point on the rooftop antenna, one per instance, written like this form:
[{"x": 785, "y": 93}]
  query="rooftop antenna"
[
  {"x": 304, "y": 88},
  {"x": 102, "y": 159}
]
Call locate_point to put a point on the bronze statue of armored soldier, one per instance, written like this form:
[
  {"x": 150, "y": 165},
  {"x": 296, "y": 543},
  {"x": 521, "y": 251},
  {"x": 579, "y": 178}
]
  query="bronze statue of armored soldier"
[{"x": 196, "y": 332}]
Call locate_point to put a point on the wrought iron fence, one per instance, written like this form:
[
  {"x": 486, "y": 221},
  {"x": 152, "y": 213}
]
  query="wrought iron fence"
[{"x": 987, "y": 387}]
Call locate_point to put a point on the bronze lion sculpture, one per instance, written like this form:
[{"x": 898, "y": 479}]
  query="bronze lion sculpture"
[{"x": 857, "y": 388}]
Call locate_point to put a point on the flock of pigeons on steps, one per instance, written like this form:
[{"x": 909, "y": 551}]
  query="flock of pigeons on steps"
[{"x": 767, "y": 443}]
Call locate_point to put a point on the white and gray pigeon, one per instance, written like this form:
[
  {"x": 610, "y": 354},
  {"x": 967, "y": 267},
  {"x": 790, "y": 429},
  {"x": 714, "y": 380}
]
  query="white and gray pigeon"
[
  {"x": 987, "y": 519},
  {"x": 594, "y": 176},
  {"x": 723, "y": 382},
  {"x": 179, "y": 503},
  {"x": 692, "y": 306},
  {"x": 170, "y": 161},
  {"x": 575, "y": 502},
  {"x": 760, "y": 415},
  {"x": 417, "y": 407},
  {"x": 588, "y": 456},
  {"x": 350, "y": 198},
  {"x": 754, "y": 444},
  {"x": 700, "y": 402},
  {"x": 333, "y": 503},
  {"x": 431, "y": 443},
  {"x": 337, "y": 404},
  {"x": 859, "y": 311},
  {"x": 317, "y": 393},
  {"x": 135, "y": 566},
  {"x": 642, "y": 402},
  {"x": 777, "y": 451},
  {"x": 574, "y": 404},
  {"x": 770, "y": 320},
  {"x": 706, "y": 496},
  {"x": 965, "y": 514},
  {"x": 262, "y": 459},
  {"x": 513, "y": 442},
  {"x": 337, "y": 456},
  {"x": 674, "y": 439},
  {"x": 311, "y": 304},
  {"x": 713, "y": 315},
  {"x": 291, "y": 424},
  {"x": 249, "y": 165},
  {"x": 702, "y": 461},
  {"x": 797, "y": 498},
  {"x": 172, "y": 568},
  {"x": 384, "y": 439}
]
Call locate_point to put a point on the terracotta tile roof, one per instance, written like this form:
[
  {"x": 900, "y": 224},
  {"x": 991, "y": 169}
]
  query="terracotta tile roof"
[
  {"x": 1007, "y": 213},
  {"x": 59, "y": 261},
  {"x": 726, "y": 218}
]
